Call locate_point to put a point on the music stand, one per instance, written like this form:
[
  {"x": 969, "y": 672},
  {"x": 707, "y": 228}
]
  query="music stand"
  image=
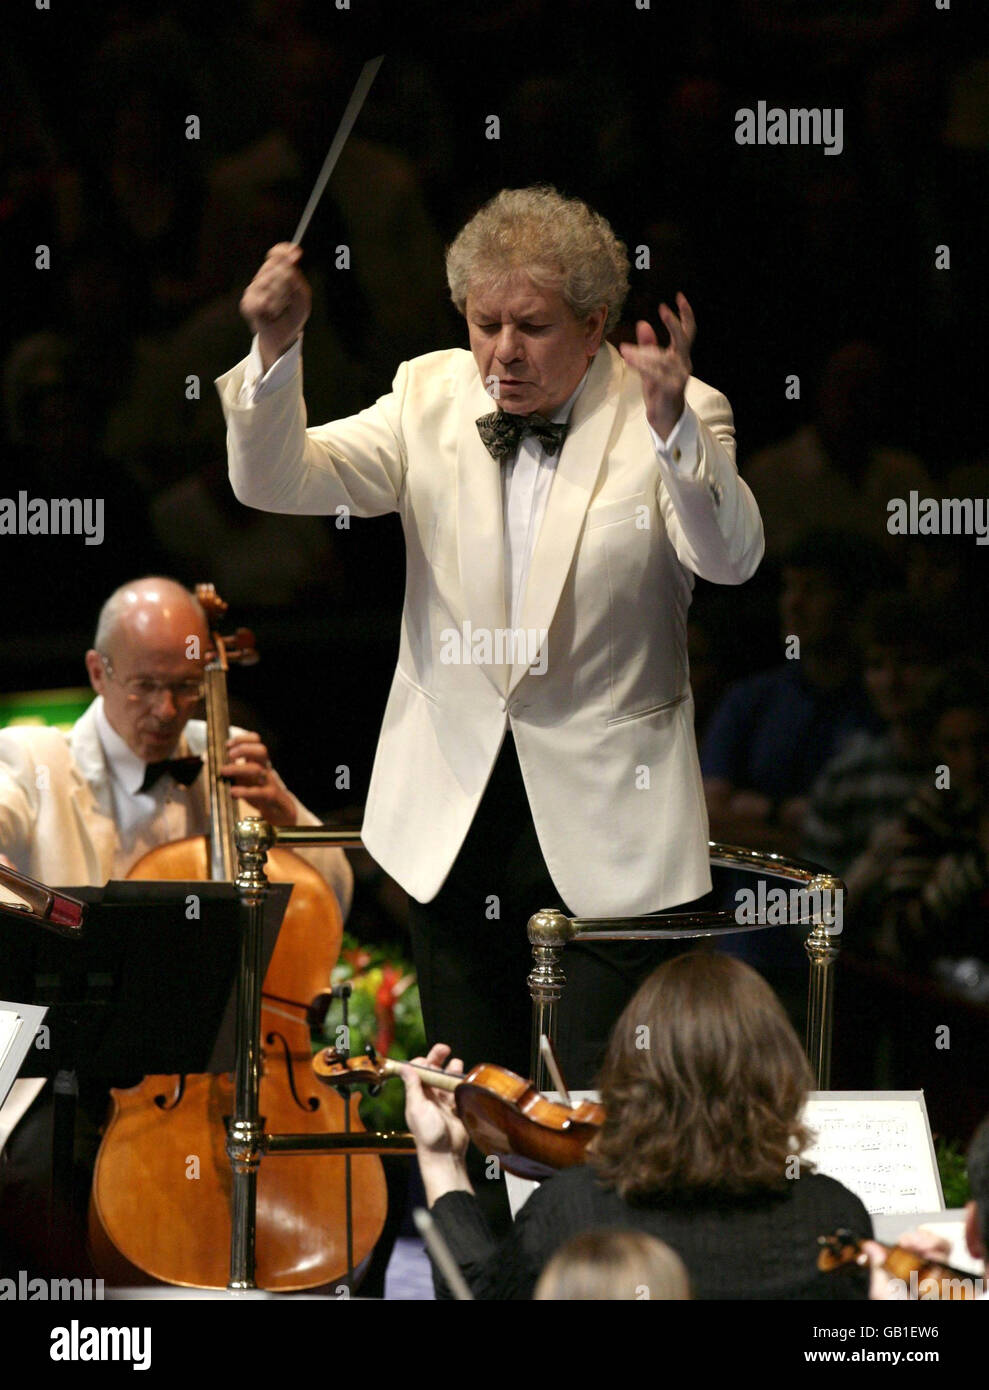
[{"x": 149, "y": 989}]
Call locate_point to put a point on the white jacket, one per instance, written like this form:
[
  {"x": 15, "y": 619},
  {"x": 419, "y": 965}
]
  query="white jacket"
[
  {"x": 56, "y": 806},
  {"x": 605, "y": 735}
]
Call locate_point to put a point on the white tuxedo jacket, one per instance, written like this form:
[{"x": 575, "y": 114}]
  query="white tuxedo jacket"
[
  {"x": 56, "y": 806},
  {"x": 605, "y": 733}
]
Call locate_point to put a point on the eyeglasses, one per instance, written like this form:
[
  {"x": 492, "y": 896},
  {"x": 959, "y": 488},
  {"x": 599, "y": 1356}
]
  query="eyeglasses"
[{"x": 142, "y": 690}]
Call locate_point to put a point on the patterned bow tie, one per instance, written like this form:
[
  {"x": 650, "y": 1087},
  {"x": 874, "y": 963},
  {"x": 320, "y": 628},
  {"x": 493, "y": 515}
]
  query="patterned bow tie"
[
  {"x": 184, "y": 770},
  {"x": 502, "y": 432}
]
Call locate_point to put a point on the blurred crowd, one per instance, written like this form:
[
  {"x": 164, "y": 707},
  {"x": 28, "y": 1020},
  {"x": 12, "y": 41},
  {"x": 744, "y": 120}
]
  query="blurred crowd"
[{"x": 158, "y": 153}]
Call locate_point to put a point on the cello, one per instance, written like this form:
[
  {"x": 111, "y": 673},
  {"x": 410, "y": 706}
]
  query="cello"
[{"x": 160, "y": 1201}]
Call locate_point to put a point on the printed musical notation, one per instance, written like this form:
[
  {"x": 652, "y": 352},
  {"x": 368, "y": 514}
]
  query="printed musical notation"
[{"x": 879, "y": 1146}]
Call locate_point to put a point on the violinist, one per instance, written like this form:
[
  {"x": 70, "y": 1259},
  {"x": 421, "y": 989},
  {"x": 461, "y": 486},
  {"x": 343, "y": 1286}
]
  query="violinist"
[
  {"x": 934, "y": 1248},
  {"x": 703, "y": 1086},
  {"x": 81, "y": 808},
  {"x": 977, "y": 1209}
]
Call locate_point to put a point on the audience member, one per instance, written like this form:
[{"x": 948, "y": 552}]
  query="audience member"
[
  {"x": 773, "y": 732},
  {"x": 868, "y": 781},
  {"x": 838, "y": 468},
  {"x": 929, "y": 882}
]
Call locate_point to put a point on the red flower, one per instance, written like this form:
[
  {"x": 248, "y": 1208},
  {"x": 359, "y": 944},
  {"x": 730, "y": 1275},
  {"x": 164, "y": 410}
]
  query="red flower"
[{"x": 384, "y": 1010}]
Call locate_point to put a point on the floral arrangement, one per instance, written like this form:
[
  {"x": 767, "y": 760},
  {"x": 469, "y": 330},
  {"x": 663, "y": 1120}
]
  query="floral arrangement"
[{"x": 383, "y": 1010}]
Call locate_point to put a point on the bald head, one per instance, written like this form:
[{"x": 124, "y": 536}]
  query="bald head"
[
  {"x": 147, "y": 658},
  {"x": 144, "y": 605}
]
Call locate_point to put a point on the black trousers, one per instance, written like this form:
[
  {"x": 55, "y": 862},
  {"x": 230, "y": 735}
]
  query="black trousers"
[{"x": 472, "y": 954}]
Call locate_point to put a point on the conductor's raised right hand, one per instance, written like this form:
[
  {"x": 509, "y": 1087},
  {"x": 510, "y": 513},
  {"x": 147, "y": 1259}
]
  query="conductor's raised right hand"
[{"x": 277, "y": 302}]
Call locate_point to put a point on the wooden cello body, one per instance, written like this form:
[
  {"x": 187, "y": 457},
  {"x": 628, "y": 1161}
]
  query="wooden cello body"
[{"x": 161, "y": 1198}]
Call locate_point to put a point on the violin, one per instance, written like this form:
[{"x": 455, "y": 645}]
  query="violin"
[
  {"x": 148, "y": 1218},
  {"x": 505, "y": 1116},
  {"x": 925, "y": 1278}
]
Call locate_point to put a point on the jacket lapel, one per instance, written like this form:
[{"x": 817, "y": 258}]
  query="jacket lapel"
[
  {"x": 92, "y": 796},
  {"x": 580, "y": 462}
]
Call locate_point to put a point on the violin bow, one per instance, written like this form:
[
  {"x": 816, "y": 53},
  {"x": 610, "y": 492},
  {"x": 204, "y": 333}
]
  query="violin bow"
[
  {"x": 442, "y": 1254},
  {"x": 553, "y": 1067}
]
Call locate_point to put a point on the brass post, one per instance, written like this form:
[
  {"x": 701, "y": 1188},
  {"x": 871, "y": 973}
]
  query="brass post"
[
  {"x": 245, "y": 1136},
  {"x": 548, "y": 931},
  {"x": 822, "y": 947}
]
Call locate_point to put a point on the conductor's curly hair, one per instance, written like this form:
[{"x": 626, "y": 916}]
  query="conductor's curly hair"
[{"x": 559, "y": 243}]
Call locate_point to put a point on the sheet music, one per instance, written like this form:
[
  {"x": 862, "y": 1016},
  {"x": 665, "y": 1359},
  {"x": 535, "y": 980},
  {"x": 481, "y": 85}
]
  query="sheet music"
[
  {"x": 878, "y": 1145},
  {"x": 19, "y": 1025},
  {"x": 10, "y": 1025}
]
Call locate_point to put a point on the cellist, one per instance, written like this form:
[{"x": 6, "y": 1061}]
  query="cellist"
[{"x": 83, "y": 807}]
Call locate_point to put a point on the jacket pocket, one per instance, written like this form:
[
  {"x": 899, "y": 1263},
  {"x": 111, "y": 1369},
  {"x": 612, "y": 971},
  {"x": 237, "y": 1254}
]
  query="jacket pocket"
[
  {"x": 622, "y": 509},
  {"x": 652, "y": 709}
]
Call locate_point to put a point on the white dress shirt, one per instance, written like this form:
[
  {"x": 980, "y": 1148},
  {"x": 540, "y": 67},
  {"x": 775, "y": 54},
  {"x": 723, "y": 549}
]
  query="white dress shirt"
[
  {"x": 144, "y": 820},
  {"x": 526, "y": 479}
]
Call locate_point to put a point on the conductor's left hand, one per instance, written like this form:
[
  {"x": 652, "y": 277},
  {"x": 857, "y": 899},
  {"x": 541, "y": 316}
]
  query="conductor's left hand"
[{"x": 664, "y": 371}]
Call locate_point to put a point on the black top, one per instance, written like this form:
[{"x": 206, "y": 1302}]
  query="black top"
[{"x": 761, "y": 1247}]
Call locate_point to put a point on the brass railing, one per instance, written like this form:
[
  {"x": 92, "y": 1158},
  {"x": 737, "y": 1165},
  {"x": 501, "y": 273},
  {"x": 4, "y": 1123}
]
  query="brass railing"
[
  {"x": 551, "y": 930},
  {"x": 247, "y": 1142}
]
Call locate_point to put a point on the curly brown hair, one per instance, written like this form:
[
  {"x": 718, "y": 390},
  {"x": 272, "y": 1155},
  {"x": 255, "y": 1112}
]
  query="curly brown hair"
[
  {"x": 703, "y": 1085},
  {"x": 560, "y": 243}
]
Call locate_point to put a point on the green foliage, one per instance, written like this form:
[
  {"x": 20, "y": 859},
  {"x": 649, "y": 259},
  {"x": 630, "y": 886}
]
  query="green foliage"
[
  {"x": 384, "y": 1010},
  {"x": 954, "y": 1174}
]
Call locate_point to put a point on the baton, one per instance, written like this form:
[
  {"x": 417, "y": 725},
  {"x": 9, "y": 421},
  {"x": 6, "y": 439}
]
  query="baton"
[{"x": 368, "y": 73}]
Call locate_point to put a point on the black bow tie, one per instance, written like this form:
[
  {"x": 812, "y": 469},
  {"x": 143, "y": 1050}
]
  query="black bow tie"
[
  {"x": 184, "y": 770},
  {"x": 502, "y": 432}
]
